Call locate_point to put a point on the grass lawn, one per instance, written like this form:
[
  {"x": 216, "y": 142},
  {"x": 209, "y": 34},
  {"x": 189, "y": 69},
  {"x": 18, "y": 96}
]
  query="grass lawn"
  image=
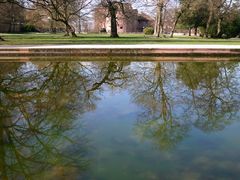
[{"x": 46, "y": 38}]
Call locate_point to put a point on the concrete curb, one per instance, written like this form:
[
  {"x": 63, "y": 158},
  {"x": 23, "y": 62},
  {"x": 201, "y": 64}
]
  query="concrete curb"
[
  {"x": 118, "y": 58},
  {"x": 121, "y": 50}
]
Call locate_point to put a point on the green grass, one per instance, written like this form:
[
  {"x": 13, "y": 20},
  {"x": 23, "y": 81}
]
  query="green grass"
[{"x": 46, "y": 38}]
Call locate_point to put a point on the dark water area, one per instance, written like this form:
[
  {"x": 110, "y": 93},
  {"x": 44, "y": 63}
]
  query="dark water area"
[{"x": 119, "y": 120}]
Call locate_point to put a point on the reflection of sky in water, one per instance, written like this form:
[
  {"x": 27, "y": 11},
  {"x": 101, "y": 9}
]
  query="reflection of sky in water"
[
  {"x": 119, "y": 153},
  {"x": 134, "y": 120}
]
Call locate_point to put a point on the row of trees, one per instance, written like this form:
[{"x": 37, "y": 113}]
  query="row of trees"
[
  {"x": 60, "y": 11},
  {"x": 66, "y": 11},
  {"x": 214, "y": 18}
]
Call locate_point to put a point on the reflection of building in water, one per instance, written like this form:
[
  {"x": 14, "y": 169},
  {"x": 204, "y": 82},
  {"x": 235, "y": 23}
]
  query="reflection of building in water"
[{"x": 129, "y": 21}]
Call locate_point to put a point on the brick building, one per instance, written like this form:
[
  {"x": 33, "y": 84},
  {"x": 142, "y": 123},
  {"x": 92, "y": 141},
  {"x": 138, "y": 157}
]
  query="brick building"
[{"x": 127, "y": 22}]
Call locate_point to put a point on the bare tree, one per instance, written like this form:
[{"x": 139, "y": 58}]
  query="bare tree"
[
  {"x": 159, "y": 17},
  {"x": 223, "y": 7},
  {"x": 113, "y": 6},
  {"x": 210, "y": 17},
  {"x": 160, "y": 7},
  {"x": 184, "y": 6},
  {"x": 64, "y": 11}
]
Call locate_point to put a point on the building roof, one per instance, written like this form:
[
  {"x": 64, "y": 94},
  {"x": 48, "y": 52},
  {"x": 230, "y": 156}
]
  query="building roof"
[{"x": 143, "y": 16}]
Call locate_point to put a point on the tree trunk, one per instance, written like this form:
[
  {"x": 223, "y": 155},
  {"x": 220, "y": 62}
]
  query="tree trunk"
[
  {"x": 79, "y": 26},
  {"x": 158, "y": 30},
  {"x": 219, "y": 27},
  {"x": 183, "y": 9},
  {"x": 70, "y": 29},
  {"x": 159, "y": 22},
  {"x": 190, "y": 31},
  {"x": 67, "y": 32},
  {"x": 175, "y": 24},
  {"x": 156, "y": 25},
  {"x": 11, "y": 28},
  {"x": 195, "y": 31},
  {"x": 113, "y": 16},
  {"x": 52, "y": 27},
  {"x": 225, "y": 5},
  {"x": 210, "y": 4}
]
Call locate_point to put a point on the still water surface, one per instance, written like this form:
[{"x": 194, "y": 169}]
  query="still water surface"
[{"x": 119, "y": 120}]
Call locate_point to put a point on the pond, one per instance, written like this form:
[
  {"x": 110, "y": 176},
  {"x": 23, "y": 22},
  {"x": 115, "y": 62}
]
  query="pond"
[{"x": 119, "y": 120}]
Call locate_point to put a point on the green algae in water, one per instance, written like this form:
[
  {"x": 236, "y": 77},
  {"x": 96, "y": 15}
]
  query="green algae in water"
[{"x": 119, "y": 120}]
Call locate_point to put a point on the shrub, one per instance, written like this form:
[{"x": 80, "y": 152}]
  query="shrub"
[
  {"x": 148, "y": 31},
  {"x": 103, "y": 30},
  {"x": 29, "y": 28},
  {"x": 224, "y": 36}
]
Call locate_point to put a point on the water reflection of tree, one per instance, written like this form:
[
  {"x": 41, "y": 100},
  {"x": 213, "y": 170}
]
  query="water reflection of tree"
[
  {"x": 37, "y": 111},
  {"x": 214, "y": 91},
  {"x": 39, "y": 103},
  {"x": 113, "y": 74},
  {"x": 209, "y": 101},
  {"x": 152, "y": 90}
]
